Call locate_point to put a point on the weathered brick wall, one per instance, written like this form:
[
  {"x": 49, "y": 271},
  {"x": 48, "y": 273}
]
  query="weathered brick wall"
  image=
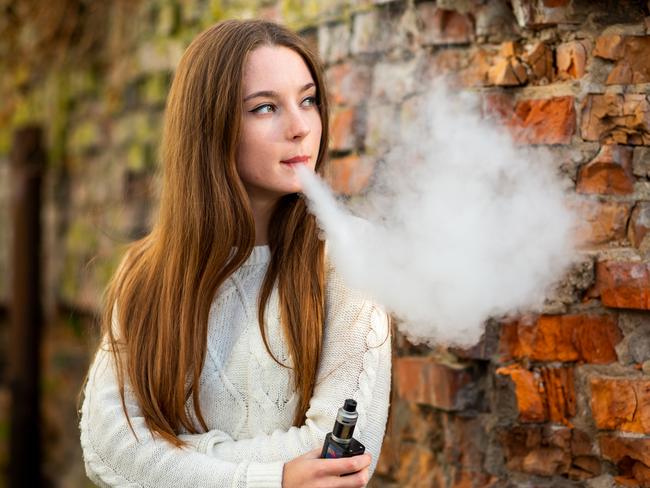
[{"x": 559, "y": 399}]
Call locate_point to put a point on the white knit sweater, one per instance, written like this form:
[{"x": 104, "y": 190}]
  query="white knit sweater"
[{"x": 247, "y": 399}]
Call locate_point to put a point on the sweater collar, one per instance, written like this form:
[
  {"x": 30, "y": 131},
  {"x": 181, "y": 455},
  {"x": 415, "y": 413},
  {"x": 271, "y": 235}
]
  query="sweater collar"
[{"x": 259, "y": 255}]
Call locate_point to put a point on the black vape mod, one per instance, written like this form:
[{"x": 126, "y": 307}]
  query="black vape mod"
[{"x": 340, "y": 443}]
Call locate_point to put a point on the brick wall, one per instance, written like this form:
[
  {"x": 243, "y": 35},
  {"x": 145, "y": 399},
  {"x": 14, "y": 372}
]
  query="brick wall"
[{"x": 557, "y": 399}]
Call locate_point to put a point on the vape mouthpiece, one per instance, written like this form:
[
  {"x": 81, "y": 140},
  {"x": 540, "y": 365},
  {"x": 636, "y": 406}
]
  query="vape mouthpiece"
[{"x": 350, "y": 405}]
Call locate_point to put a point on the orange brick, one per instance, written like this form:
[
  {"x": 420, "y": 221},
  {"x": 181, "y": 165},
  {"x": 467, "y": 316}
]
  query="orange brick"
[
  {"x": 560, "y": 394},
  {"x": 528, "y": 391},
  {"x": 600, "y": 221},
  {"x": 441, "y": 26},
  {"x": 612, "y": 118},
  {"x": 622, "y": 450},
  {"x": 544, "y": 121},
  {"x": 609, "y": 47},
  {"x": 349, "y": 83},
  {"x": 536, "y": 450},
  {"x": 423, "y": 380},
  {"x": 540, "y": 60},
  {"x": 609, "y": 173},
  {"x": 621, "y": 404},
  {"x": 632, "y": 56},
  {"x": 350, "y": 175},
  {"x": 544, "y": 394},
  {"x": 639, "y": 225},
  {"x": 342, "y": 133},
  {"x": 571, "y": 59},
  {"x": 623, "y": 284},
  {"x": 588, "y": 338}
]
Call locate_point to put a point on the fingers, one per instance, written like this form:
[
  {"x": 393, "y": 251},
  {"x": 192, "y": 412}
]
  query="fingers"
[
  {"x": 313, "y": 454},
  {"x": 338, "y": 467},
  {"x": 355, "y": 480}
]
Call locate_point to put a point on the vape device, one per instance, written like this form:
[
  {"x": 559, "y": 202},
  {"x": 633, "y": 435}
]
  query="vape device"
[{"x": 339, "y": 443}]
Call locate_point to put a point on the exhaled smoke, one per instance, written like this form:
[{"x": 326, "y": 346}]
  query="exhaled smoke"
[{"x": 458, "y": 226}]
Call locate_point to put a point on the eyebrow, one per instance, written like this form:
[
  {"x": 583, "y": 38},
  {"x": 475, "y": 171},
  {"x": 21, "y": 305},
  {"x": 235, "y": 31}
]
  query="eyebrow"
[{"x": 268, "y": 93}]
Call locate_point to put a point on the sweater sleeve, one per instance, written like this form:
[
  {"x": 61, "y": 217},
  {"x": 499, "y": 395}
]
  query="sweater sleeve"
[
  {"x": 355, "y": 363},
  {"x": 114, "y": 457}
]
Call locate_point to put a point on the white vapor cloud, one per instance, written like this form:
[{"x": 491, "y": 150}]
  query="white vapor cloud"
[{"x": 459, "y": 224}]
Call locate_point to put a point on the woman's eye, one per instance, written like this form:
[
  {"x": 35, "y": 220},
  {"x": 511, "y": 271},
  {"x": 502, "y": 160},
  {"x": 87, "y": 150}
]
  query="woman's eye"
[
  {"x": 259, "y": 110},
  {"x": 312, "y": 100}
]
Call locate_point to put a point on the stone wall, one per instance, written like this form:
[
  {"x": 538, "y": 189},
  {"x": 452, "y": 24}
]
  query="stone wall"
[{"x": 557, "y": 399}]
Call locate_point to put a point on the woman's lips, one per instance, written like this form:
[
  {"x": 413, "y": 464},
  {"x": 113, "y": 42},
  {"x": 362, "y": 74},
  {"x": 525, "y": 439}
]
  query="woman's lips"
[{"x": 296, "y": 160}]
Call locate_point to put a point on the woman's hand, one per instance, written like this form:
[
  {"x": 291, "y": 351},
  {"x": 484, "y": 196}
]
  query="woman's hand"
[{"x": 309, "y": 471}]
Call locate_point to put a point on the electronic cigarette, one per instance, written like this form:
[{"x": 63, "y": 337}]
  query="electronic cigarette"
[{"x": 339, "y": 443}]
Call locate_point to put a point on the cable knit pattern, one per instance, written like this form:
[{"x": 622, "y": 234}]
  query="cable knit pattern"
[{"x": 247, "y": 399}]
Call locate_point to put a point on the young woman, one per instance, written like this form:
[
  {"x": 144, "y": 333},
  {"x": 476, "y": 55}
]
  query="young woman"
[{"x": 229, "y": 340}]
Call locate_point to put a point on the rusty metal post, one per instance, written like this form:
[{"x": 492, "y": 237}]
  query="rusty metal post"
[{"x": 27, "y": 162}]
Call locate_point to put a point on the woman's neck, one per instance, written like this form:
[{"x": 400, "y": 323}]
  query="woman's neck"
[{"x": 262, "y": 211}]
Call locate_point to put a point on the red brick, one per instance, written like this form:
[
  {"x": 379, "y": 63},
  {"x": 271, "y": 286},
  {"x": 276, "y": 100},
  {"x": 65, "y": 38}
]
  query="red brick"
[
  {"x": 539, "y": 13},
  {"x": 507, "y": 72},
  {"x": 442, "y": 26},
  {"x": 342, "y": 133},
  {"x": 581, "y": 337},
  {"x": 609, "y": 47},
  {"x": 641, "y": 473},
  {"x": 539, "y": 58},
  {"x": 350, "y": 175},
  {"x": 623, "y": 284},
  {"x": 546, "y": 462},
  {"x": 621, "y": 404},
  {"x": 632, "y": 56},
  {"x": 464, "y": 478},
  {"x": 544, "y": 394},
  {"x": 349, "y": 83},
  {"x": 537, "y": 450},
  {"x": 497, "y": 104},
  {"x": 624, "y": 451},
  {"x": 600, "y": 221},
  {"x": 609, "y": 173},
  {"x": 423, "y": 380},
  {"x": 560, "y": 394},
  {"x": 411, "y": 423},
  {"x": 584, "y": 467},
  {"x": 571, "y": 59},
  {"x": 639, "y": 225},
  {"x": 418, "y": 467},
  {"x": 529, "y": 392},
  {"x": 544, "y": 121},
  {"x": 479, "y": 65},
  {"x": 581, "y": 443},
  {"x": 388, "y": 457},
  {"x": 611, "y": 118},
  {"x": 463, "y": 441}
]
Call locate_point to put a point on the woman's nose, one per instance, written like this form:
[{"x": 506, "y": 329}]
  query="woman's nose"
[{"x": 298, "y": 126}]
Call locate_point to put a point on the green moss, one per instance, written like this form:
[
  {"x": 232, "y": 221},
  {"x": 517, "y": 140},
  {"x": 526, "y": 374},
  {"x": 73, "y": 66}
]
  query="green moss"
[
  {"x": 70, "y": 279},
  {"x": 168, "y": 18},
  {"x": 75, "y": 324},
  {"x": 58, "y": 123},
  {"x": 81, "y": 239},
  {"x": 155, "y": 88},
  {"x": 5, "y": 141},
  {"x": 28, "y": 110},
  {"x": 83, "y": 83},
  {"x": 299, "y": 14},
  {"x": 105, "y": 267},
  {"x": 136, "y": 158},
  {"x": 84, "y": 137}
]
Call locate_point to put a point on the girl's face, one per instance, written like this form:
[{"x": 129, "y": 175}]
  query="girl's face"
[{"x": 280, "y": 122}]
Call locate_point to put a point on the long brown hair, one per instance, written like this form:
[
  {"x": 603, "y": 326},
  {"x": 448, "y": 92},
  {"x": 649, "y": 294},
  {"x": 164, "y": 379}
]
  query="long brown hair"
[{"x": 205, "y": 230}]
